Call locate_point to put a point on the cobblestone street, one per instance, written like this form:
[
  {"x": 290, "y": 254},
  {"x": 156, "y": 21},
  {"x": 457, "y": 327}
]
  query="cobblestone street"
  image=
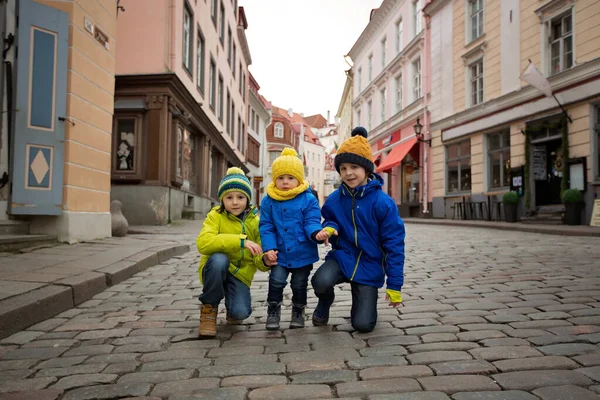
[{"x": 488, "y": 315}]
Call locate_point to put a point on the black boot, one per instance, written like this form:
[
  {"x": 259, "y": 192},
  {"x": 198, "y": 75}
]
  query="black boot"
[
  {"x": 273, "y": 316},
  {"x": 297, "y": 316}
]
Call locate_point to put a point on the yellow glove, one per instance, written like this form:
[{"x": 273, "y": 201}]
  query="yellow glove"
[
  {"x": 330, "y": 230},
  {"x": 394, "y": 295}
]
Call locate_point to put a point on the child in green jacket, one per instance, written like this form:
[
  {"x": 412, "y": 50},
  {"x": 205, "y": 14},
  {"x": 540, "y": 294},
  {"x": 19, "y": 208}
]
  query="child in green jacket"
[{"x": 231, "y": 253}]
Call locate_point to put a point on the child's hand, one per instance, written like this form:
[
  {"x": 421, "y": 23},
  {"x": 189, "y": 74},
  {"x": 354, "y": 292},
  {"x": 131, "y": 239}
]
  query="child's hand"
[
  {"x": 325, "y": 234},
  {"x": 254, "y": 248},
  {"x": 394, "y": 297},
  {"x": 271, "y": 255}
]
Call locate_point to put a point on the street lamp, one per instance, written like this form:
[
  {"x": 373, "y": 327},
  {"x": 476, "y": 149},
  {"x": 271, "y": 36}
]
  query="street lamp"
[{"x": 418, "y": 127}]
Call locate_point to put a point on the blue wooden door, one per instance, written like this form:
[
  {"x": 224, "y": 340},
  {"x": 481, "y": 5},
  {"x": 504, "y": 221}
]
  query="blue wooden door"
[{"x": 38, "y": 139}]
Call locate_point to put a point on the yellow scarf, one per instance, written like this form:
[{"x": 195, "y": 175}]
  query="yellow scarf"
[{"x": 282, "y": 195}]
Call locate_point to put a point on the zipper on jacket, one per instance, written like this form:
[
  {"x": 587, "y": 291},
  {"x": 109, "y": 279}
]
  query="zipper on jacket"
[
  {"x": 354, "y": 223},
  {"x": 356, "y": 266},
  {"x": 242, "y": 222},
  {"x": 383, "y": 261}
]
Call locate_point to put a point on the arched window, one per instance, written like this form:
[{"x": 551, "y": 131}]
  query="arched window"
[{"x": 278, "y": 130}]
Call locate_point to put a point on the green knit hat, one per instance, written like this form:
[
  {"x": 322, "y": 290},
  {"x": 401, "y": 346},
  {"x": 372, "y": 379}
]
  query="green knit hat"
[{"x": 235, "y": 181}]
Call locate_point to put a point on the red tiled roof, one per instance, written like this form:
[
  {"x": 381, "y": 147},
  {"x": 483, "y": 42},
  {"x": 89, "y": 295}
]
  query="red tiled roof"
[{"x": 316, "y": 121}]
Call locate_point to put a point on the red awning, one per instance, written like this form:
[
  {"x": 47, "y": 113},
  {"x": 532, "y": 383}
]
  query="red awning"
[{"x": 396, "y": 155}]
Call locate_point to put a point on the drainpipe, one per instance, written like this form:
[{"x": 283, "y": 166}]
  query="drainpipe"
[{"x": 427, "y": 135}]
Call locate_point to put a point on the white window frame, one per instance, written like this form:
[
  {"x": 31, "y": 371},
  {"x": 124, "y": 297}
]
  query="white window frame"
[
  {"x": 369, "y": 115},
  {"x": 359, "y": 80},
  {"x": 475, "y": 19},
  {"x": 188, "y": 32},
  {"x": 383, "y": 101},
  {"x": 399, "y": 34},
  {"x": 417, "y": 7},
  {"x": 383, "y": 52},
  {"x": 212, "y": 84},
  {"x": 370, "y": 60},
  {"x": 278, "y": 130},
  {"x": 478, "y": 80},
  {"x": 501, "y": 150},
  {"x": 417, "y": 71},
  {"x": 399, "y": 87},
  {"x": 358, "y": 117},
  {"x": 200, "y": 62},
  {"x": 561, "y": 42}
]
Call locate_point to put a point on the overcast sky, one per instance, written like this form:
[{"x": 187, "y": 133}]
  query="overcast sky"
[{"x": 298, "y": 49}]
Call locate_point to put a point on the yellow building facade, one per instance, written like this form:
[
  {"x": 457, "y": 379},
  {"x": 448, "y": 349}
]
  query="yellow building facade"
[
  {"x": 59, "y": 133},
  {"x": 492, "y": 131}
]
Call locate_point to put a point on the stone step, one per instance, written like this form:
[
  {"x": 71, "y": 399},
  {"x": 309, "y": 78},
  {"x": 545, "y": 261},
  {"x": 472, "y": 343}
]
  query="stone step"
[
  {"x": 15, "y": 242},
  {"x": 13, "y": 227},
  {"x": 543, "y": 220},
  {"x": 551, "y": 209}
]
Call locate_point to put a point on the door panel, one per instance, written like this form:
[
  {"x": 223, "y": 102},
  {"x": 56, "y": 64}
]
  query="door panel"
[{"x": 38, "y": 145}]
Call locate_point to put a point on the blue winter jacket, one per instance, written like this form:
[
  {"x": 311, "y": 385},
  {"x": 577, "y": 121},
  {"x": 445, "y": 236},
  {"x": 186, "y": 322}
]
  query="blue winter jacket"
[
  {"x": 370, "y": 241},
  {"x": 287, "y": 226}
]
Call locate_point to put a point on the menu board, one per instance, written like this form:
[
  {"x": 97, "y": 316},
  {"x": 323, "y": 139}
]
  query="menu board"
[
  {"x": 596, "y": 214},
  {"x": 540, "y": 172}
]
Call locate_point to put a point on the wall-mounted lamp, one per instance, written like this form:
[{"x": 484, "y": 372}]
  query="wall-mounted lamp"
[{"x": 418, "y": 127}]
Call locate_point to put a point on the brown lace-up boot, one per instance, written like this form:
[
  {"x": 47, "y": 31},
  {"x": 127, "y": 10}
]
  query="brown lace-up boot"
[{"x": 208, "y": 321}]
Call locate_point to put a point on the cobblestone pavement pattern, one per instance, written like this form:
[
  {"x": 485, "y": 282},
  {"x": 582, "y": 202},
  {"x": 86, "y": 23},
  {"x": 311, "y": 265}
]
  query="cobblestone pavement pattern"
[{"x": 488, "y": 315}]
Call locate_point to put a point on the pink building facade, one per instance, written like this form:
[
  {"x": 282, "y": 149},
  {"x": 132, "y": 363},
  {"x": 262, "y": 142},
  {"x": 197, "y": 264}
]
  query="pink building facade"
[
  {"x": 180, "y": 106},
  {"x": 389, "y": 98}
]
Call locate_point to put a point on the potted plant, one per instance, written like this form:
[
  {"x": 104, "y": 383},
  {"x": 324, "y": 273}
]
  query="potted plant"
[
  {"x": 511, "y": 202},
  {"x": 573, "y": 202}
]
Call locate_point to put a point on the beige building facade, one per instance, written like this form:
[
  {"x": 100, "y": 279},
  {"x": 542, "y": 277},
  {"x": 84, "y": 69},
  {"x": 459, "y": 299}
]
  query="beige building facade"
[
  {"x": 493, "y": 132},
  {"x": 58, "y": 95}
]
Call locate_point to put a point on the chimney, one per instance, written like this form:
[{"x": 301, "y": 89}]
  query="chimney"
[
  {"x": 291, "y": 112},
  {"x": 328, "y": 116}
]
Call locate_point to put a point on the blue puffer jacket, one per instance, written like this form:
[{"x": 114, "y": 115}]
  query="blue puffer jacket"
[
  {"x": 287, "y": 226},
  {"x": 370, "y": 244}
]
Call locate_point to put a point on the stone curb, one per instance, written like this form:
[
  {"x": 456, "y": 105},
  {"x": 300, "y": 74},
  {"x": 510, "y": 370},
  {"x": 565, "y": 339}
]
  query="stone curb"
[
  {"x": 21, "y": 311},
  {"x": 563, "y": 230}
]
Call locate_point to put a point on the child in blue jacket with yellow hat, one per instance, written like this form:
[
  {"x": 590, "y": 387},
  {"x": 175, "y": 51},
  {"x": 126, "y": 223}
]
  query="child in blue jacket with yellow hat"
[
  {"x": 290, "y": 228},
  {"x": 370, "y": 242}
]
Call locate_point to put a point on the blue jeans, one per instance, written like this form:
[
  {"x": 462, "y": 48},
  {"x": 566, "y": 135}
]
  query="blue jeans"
[
  {"x": 299, "y": 283},
  {"x": 219, "y": 284},
  {"x": 363, "y": 315}
]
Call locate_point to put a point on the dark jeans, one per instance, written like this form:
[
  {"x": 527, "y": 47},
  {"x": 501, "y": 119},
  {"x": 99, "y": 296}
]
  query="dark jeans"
[
  {"x": 219, "y": 284},
  {"x": 363, "y": 314},
  {"x": 299, "y": 283}
]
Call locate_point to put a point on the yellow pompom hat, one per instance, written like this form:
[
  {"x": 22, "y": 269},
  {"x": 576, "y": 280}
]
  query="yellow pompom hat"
[{"x": 288, "y": 163}]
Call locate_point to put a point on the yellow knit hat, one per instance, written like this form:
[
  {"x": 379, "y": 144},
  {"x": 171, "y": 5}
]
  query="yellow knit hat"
[
  {"x": 288, "y": 163},
  {"x": 356, "y": 150}
]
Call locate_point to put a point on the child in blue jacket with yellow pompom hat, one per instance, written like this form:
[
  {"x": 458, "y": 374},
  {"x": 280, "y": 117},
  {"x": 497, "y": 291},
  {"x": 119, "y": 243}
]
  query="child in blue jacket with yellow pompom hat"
[
  {"x": 370, "y": 238},
  {"x": 290, "y": 229}
]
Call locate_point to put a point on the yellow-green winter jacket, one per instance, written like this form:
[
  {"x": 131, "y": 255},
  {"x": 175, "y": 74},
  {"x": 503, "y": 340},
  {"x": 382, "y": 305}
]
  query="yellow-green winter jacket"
[{"x": 225, "y": 233}]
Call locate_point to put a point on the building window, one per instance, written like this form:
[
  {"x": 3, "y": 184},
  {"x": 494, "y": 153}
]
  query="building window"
[
  {"x": 476, "y": 78},
  {"x": 126, "y": 145},
  {"x": 369, "y": 115},
  {"x": 278, "y": 132},
  {"x": 370, "y": 68},
  {"x": 232, "y": 133},
  {"x": 228, "y": 108},
  {"x": 416, "y": 79},
  {"x": 240, "y": 82},
  {"x": 561, "y": 43},
  {"x": 188, "y": 32},
  {"x": 239, "y": 141},
  {"x": 359, "y": 80},
  {"x": 220, "y": 99},
  {"x": 229, "y": 45},
  {"x": 499, "y": 160},
  {"x": 179, "y": 151},
  {"x": 214, "y": 11},
  {"x": 398, "y": 93},
  {"x": 399, "y": 32},
  {"x": 358, "y": 119},
  {"x": 410, "y": 180},
  {"x": 383, "y": 53},
  {"x": 200, "y": 61},
  {"x": 212, "y": 84},
  {"x": 417, "y": 7},
  {"x": 222, "y": 25},
  {"x": 475, "y": 19},
  {"x": 273, "y": 155},
  {"x": 383, "y": 100},
  {"x": 243, "y": 85},
  {"x": 243, "y": 147},
  {"x": 233, "y": 60},
  {"x": 458, "y": 167}
]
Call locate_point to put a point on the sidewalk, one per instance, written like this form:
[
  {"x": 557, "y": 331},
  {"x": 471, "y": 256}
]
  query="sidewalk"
[
  {"x": 42, "y": 282},
  {"x": 564, "y": 230}
]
